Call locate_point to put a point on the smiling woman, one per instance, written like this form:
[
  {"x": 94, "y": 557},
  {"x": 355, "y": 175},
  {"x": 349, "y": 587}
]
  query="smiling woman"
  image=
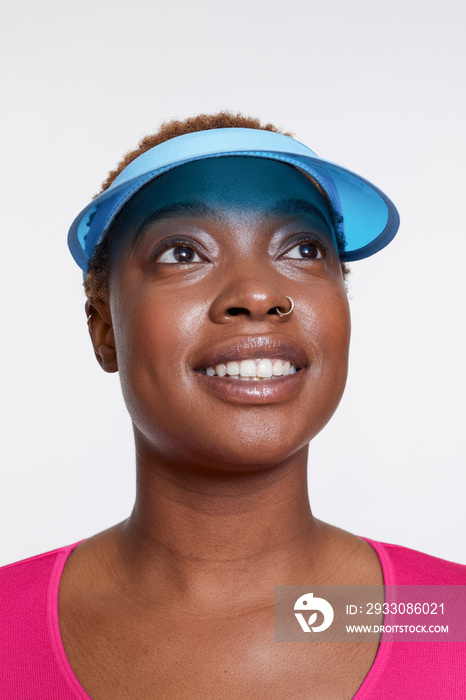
[
  {"x": 196, "y": 285},
  {"x": 214, "y": 265}
]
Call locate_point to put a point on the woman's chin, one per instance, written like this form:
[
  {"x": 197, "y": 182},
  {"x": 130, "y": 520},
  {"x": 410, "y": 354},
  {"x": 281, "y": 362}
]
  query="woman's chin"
[{"x": 240, "y": 451}]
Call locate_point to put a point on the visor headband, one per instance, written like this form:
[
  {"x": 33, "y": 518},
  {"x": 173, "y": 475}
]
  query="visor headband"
[{"x": 370, "y": 219}]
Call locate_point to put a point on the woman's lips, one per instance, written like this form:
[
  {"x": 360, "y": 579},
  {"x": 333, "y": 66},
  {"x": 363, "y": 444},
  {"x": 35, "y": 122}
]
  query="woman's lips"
[
  {"x": 257, "y": 391},
  {"x": 252, "y": 347},
  {"x": 274, "y": 390}
]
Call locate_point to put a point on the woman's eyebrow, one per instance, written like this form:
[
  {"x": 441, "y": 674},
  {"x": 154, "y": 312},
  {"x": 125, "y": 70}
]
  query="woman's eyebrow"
[
  {"x": 182, "y": 210},
  {"x": 286, "y": 207},
  {"x": 172, "y": 211},
  {"x": 296, "y": 207}
]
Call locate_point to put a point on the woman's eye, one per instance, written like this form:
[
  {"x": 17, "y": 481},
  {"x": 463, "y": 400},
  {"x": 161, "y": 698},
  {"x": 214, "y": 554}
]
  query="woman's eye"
[
  {"x": 305, "y": 251},
  {"x": 179, "y": 254}
]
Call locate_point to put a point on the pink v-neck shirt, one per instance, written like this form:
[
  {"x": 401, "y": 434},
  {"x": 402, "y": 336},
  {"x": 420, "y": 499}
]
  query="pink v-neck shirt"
[{"x": 33, "y": 663}]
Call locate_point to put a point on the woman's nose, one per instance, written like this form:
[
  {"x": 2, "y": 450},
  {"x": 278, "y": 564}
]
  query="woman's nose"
[{"x": 251, "y": 298}]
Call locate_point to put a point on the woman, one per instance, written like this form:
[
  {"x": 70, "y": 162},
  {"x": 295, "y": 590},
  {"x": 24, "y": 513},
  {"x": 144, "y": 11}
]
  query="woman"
[{"x": 215, "y": 276}]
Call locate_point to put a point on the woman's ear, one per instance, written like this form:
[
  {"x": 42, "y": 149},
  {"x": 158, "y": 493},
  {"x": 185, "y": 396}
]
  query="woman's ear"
[{"x": 99, "y": 321}]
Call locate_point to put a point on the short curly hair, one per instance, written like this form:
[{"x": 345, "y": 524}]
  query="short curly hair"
[{"x": 96, "y": 281}]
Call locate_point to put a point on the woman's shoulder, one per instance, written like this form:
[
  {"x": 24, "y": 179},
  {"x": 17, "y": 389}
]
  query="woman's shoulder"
[
  {"x": 32, "y": 663},
  {"x": 406, "y": 566},
  {"x": 31, "y": 574},
  {"x": 27, "y": 590}
]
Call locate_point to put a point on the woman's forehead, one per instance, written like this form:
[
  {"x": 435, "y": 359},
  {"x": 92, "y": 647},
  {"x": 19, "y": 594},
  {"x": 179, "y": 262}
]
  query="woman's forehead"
[{"x": 241, "y": 183}]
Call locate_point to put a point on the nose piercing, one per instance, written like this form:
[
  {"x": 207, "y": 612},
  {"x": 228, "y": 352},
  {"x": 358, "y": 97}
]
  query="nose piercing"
[{"x": 286, "y": 313}]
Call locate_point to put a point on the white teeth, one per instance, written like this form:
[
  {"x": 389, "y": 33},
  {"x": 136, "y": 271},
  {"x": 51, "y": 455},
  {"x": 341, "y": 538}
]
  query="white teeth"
[
  {"x": 278, "y": 368},
  {"x": 232, "y": 368},
  {"x": 252, "y": 370},
  {"x": 264, "y": 368},
  {"x": 247, "y": 368}
]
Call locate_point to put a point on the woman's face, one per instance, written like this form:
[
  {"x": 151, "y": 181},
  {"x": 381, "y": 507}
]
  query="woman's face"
[{"x": 202, "y": 257}]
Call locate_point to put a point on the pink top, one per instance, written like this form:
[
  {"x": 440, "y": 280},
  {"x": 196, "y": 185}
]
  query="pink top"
[{"x": 33, "y": 663}]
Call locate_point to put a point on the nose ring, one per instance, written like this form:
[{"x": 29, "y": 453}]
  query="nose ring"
[{"x": 286, "y": 313}]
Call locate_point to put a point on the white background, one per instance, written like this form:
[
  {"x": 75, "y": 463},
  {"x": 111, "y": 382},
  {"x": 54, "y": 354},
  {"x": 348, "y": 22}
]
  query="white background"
[{"x": 377, "y": 87}]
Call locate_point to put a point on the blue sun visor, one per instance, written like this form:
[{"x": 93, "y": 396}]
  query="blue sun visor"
[{"x": 370, "y": 219}]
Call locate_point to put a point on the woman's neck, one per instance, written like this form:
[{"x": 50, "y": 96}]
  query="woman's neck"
[{"x": 206, "y": 533}]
